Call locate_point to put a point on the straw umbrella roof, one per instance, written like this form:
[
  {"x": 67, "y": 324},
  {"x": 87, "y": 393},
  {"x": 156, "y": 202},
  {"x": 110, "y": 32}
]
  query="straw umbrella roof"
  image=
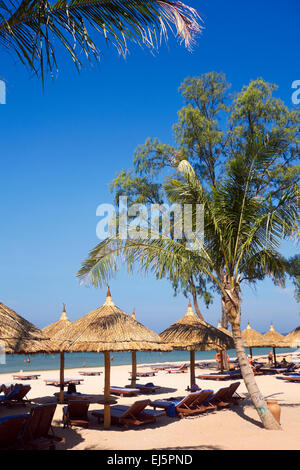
[
  {"x": 293, "y": 338},
  {"x": 108, "y": 328},
  {"x": 52, "y": 330},
  {"x": 252, "y": 338},
  {"x": 274, "y": 339},
  {"x": 220, "y": 327},
  {"x": 192, "y": 334},
  {"x": 22, "y": 337}
]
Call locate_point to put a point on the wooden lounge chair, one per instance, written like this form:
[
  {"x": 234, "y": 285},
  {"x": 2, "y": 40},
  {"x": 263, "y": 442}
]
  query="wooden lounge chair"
[
  {"x": 166, "y": 366},
  {"x": 177, "y": 370},
  {"x": 134, "y": 415},
  {"x": 26, "y": 376},
  {"x": 148, "y": 373},
  {"x": 10, "y": 430},
  {"x": 225, "y": 397},
  {"x": 219, "y": 376},
  {"x": 36, "y": 434},
  {"x": 191, "y": 404},
  {"x": 17, "y": 396},
  {"x": 124, "y": 391},
  {"x": 218, "y": 399},
  {"x": 88, "y": 373},
  {"x": 292, "y": 378},
  {"x": 76, "y": 413}
]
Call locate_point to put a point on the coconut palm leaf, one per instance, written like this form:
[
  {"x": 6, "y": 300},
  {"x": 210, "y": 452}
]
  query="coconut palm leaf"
[{"x": 32, "y": 28}]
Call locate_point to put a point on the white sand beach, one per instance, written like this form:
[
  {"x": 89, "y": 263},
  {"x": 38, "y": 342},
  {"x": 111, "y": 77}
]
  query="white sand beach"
[{"x": 236, "y": 428}]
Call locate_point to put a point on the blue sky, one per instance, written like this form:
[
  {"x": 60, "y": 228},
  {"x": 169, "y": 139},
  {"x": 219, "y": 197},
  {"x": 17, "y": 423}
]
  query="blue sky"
[{"x": 62, "y": 146}]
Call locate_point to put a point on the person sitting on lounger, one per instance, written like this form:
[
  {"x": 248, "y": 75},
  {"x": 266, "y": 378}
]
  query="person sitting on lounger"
[{"x": 284, "y": 362}]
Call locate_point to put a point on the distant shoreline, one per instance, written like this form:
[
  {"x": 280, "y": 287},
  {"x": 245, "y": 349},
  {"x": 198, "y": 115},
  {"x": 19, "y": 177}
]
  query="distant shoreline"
[{"x": 175, "y": 358}]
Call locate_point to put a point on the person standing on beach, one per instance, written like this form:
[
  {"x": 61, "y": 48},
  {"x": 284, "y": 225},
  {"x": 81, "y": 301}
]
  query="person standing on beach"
[{"x": 270, "y": 358}]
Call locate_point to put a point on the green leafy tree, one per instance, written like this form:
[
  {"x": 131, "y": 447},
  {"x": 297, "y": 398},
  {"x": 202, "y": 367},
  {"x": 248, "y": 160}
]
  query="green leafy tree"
[
  {"x": 33, "y": 29},
  {"x": 293, "y": 268},
  {"x": 212, "y": 127},
  {"x": 242, "y": 235},
  {"x": 141, "y": 187}
]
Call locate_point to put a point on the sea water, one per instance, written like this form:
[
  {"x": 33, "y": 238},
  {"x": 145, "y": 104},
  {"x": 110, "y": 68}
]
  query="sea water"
[{"x": 38, "y": 362}]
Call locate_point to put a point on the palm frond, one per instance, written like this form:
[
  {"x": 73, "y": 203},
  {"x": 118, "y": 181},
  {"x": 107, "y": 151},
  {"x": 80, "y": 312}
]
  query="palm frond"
[
  {"x": 164, "y": 257},
  {"x": 32, "y": 28}
]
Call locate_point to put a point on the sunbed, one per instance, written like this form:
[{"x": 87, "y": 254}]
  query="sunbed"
[
  {"x": 274, "y": 370},
  {"x": 10, "y": 430},
  {"x": 16, "y": 396},
  {"x": 26, "y": 376},
  {"x": 166, "y": 366},
  {"x": 177, "y": 370},
  {"x": 219, "y": 376},
  {"x": 147, "y": 373},
  {"x": 124, "y": 391},
  {"x": 76, "y": 413},
  {"x": 92, "y": 372},
  {"x": 292, "y": 377},
  {"x": 36, "y": 434},
  {"x": 224, "y": 397},
  {"x": 134, "y": 415},
  {"x": 191, "y": 404}
]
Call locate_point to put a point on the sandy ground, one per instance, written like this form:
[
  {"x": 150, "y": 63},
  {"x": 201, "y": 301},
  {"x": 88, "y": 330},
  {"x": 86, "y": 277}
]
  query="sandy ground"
[{"x": 235, "y": 428}]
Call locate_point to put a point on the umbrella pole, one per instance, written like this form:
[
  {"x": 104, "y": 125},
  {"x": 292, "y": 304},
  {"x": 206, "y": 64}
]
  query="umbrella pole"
[
  {"x": 133, "y": 371},
  {"x": 192, "y": 367},
  {"x": 61, "y": 377},
  {"x": 222, "y": 362},
  {"x": 106, "y": 389},
  {"x": 251, "y": 352}
]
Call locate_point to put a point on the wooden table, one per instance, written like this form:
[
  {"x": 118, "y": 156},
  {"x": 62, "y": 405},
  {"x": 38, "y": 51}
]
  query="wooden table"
[{"x": 66, "y": 382}]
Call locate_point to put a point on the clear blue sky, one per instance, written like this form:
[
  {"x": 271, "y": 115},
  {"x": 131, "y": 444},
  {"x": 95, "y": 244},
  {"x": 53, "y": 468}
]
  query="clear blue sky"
[{"x": 60, "y": 148}]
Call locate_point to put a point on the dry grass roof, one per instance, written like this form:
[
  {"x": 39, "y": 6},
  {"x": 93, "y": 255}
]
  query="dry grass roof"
[
  {"x": 191, "y": 333},
  {"x": 252, "y": 338},
  {"x": 108, "y": 328},
  {"x": 52, "y": 330},
  {"x": 274, "y": 339},
  {"x": 220, "y": 327},
  {"x": 22, "y": 337},
  {"x": 293, "y": 338}
]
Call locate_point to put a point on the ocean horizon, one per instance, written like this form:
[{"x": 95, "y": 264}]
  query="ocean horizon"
[{"x": 40, "y": 362}]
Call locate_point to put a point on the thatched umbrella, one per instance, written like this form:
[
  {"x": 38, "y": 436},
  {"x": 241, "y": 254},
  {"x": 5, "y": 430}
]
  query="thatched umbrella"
[
  {"x": 252, "y": 338},
  {"x": 22, "y": 337},
  {"x": 220, "y": 327},
  {"x": 293, "y": 338},
  {"x": 273, "y": 339},
  {"x": 51, "y": 331},
  {"x": 192, "y": 334},
  {"x": 109, "y": 329}
]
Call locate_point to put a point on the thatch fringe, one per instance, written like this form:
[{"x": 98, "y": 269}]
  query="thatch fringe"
[
  {"x": 191, "y": 333},
  {"x": 108, "y": 328},
  {"x": 22, "y": 337}
]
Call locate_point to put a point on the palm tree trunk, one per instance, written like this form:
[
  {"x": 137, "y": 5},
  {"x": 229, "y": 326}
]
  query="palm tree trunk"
[
  {"x": 224, "y": 320},
  {"x": 195, "y": 301},
  {"x": 233, "y": 310}
]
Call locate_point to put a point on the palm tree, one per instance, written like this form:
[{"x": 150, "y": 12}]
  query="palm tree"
[
  {"x": 32, "y": 28},
  {"x": 242, "y": 238}
]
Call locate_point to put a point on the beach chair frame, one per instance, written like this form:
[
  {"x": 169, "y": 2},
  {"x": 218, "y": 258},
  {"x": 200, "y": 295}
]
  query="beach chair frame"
[{"x": 76, "y": 413}]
